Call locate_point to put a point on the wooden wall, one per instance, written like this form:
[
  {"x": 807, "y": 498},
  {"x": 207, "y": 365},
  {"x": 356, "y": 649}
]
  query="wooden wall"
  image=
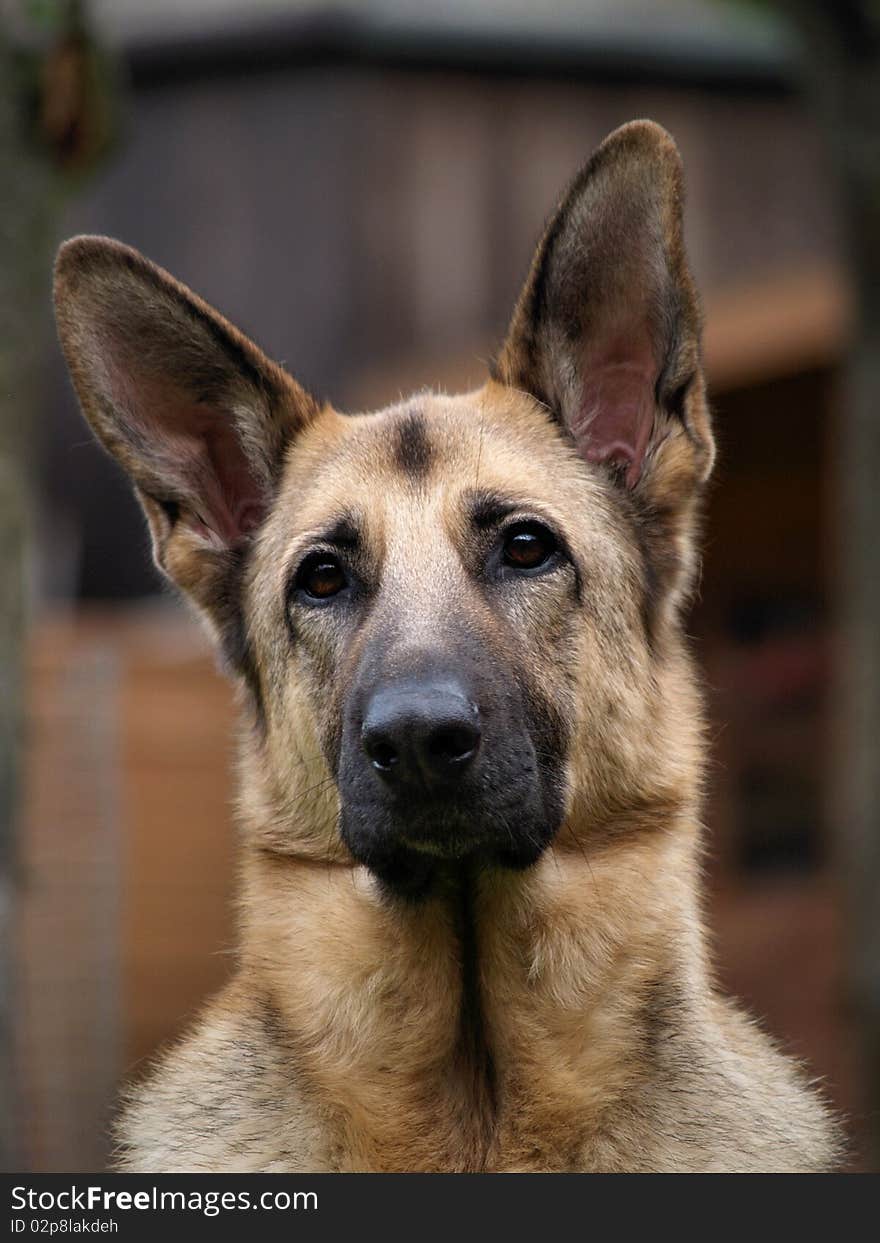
[{"x": 127, "y": 844}]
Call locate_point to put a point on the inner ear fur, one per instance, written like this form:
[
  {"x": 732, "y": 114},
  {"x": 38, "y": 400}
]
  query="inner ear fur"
[{"x": 194, "y": 411}]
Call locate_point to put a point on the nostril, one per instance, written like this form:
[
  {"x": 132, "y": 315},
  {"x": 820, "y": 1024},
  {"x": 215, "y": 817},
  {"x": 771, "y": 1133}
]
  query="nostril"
[
  {"x": 382, "y": 753},
  {"x": 453, "y": 744}
]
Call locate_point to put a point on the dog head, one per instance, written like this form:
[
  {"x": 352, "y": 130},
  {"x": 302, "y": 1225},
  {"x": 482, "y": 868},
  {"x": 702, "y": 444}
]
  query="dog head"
[{"x": 452, "y": 616}]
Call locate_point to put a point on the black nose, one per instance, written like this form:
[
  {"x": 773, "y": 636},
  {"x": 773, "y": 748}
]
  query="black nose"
[{"x": 421, "y": 734}]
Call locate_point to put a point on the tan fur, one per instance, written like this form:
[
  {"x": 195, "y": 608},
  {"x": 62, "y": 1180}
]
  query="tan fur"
[{"x": 559, "y": 1018}]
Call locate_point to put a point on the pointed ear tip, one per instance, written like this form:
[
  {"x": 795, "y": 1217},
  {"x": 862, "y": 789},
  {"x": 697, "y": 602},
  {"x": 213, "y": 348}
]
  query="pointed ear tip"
[
  {"x": 646, "y": 138},
  {"x": 81, "y": 254},
  {"x": 85, "y": 248}
]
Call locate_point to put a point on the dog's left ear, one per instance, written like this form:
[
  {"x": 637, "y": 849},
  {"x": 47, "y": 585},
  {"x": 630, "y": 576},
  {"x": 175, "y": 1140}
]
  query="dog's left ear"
[
  {"x": 606, "y": 332},
  {"x": 193, "y": 411}
]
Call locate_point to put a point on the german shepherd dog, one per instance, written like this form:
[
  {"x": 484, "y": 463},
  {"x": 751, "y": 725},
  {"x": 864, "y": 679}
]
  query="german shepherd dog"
[{"x": 471, "y": 763}]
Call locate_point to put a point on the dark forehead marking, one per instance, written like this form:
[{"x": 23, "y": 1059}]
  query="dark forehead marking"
[{"x": 411, "y": 446}]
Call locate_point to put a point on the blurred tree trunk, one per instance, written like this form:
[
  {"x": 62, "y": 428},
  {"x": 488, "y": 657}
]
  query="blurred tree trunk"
[
  {"x": 842, "y": 43},
  {"x": 55, "y": 123},
  {"x": 21, "y": 230}
]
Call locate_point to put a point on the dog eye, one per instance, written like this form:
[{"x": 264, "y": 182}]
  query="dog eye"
[
  {"x": 528, "y": 546},
  {"x": 321, "y": 576}
]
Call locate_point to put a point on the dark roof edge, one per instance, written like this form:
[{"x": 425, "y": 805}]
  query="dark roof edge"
[{"x": 342, "y": 41}]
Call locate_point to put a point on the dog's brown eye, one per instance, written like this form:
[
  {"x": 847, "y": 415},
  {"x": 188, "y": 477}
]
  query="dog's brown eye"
[
  {"x": 528, "y": 546},
  {"x": 321, "y": 577}
]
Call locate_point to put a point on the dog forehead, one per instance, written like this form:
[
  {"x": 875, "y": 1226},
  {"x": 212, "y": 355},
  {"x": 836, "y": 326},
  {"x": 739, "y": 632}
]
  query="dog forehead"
[
  {"x": 408, "y": 485},
  {"x": 430, "y": 447}
]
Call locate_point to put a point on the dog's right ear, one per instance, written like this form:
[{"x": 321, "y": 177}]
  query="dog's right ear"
[
  {"x": 197, "y": 415},
  {"x": 606, "y": 335}
]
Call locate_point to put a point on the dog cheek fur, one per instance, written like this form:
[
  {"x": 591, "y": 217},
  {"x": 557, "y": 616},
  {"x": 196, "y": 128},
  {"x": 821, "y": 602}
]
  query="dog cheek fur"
[
  {"x": 635, "y": 709},
  {"x": 289, "y": 801}
]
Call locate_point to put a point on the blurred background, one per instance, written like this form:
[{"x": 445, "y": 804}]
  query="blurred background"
[{"x": 359, "y": 186}]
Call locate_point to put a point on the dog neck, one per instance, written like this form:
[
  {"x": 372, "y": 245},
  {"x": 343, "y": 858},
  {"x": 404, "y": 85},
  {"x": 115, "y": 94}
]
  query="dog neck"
[{"x": 490, "y": 1025}]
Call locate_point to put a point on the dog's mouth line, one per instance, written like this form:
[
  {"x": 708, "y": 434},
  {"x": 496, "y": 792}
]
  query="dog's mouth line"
[
  {"x": 324, "y": 861},
  {"x": 454, "y": 848}
]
